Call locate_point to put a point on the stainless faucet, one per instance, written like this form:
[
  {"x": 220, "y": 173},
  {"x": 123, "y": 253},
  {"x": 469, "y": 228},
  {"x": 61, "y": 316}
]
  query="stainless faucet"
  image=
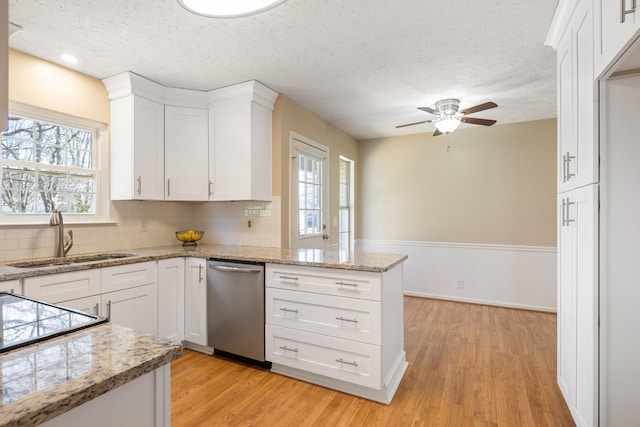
[{"x": 56, "y": 220}]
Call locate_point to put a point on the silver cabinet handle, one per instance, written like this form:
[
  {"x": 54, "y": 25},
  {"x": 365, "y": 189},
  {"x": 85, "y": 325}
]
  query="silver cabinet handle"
[
  {"x": 288, "y": 278},
  {"x": 210, "y": 188},
  {"x": 624, "y": 11},
  {"x": 234, "y": 269},
  {"x": 344, "y": 362},
  {"x": 342, "y": 319},
  {"x": 200, "y": 273},
  {"x": 139, "y": 185},
  {"x": 353, "y": 285},
  {"x": 109, "y": 310},
  {"x": 168, "y": 187},
  {"x": 95, "y": 309},
  {"x": 12, "y": 291},
  {"x": 287, "y": 310},
  {"x": 564, "y": 168},
  {"x": 568, "y": 174},
  {"x": 285, "y": 348},
  {"x": 566, "y": 220}
]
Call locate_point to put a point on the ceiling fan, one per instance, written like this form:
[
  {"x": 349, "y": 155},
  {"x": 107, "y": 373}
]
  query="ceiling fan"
[{"x": 448, "y": 117}]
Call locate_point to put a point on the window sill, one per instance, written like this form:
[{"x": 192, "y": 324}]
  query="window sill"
[{"x": 66, "y": 224}]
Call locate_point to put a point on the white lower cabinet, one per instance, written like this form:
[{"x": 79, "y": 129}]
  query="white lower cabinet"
[
  {"x": 136, "y": 308},
  {"x": 195, "y": 311},
  {"x": 340, "y": 329},
  {"x": 11, "y": 286},
  {"x": 89, "y": 305},
  {"x": 59, "y": 287},
  {"x": 171, "y": 298}
]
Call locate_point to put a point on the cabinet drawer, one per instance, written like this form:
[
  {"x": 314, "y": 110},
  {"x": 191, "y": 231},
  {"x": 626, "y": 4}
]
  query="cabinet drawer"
[
  {"x": 128, "y": 276},
  {"x": 64, "y": 286},
  {"x": 350, "y": 361},
  {"x": 11, "y": 286},
  {"x": 340, "y": 317},
  {"x": 346, "y": 283}
]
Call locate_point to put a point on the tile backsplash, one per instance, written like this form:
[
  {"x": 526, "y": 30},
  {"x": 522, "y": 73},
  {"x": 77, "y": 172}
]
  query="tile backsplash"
[{"x": 143, "y": 224}]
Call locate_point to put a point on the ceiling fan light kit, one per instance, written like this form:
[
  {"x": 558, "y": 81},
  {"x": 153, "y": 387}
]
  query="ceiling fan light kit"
[
  {"x": 448, "y": 116},
  {"x": 228, "y": 9}
]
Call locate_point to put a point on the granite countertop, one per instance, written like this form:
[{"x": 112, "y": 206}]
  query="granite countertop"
[
  {"x": 360, "y": 261},
  {"x": 42, "y": 381}
]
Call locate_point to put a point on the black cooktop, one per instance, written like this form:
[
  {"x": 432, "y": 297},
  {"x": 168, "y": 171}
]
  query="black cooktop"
[{"x": 25, "y": 321}]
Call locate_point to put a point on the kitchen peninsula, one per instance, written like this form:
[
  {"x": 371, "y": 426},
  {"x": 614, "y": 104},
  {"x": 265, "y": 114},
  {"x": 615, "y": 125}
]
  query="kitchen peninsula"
[{"x": 332, "y": 318}]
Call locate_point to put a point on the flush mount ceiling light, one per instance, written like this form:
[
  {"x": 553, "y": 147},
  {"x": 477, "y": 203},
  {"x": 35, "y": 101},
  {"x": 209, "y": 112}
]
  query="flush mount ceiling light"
[{"x": 228, "y": 8}]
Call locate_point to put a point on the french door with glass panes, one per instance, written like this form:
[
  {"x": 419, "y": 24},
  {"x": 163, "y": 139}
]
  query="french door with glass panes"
[{"x": 309, "y": 193}]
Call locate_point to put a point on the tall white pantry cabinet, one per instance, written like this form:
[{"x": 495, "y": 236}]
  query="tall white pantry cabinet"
[{"x": 598, "y": 63}]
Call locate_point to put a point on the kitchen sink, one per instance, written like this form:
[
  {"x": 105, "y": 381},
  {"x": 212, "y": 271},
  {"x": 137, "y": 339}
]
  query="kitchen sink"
[{"x": 56, "y": 262}]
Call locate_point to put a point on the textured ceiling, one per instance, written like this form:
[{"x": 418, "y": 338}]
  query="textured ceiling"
[{"x": 363, "y": 65}]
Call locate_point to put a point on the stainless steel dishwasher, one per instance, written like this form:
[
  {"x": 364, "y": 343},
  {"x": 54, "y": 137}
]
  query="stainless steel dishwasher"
[{"x": 235, "y": 308}]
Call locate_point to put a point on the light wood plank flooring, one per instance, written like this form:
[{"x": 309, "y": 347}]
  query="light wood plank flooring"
[{"x": 469, "y": 365}]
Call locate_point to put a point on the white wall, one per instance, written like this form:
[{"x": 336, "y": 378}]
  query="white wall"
[{"x": 510, "y": 276}]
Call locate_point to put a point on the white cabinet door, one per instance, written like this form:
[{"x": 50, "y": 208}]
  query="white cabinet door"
[
  {"x": 4, "y": 60},
  {"x": 240, "y": 152},
  {"x": 577, "y": 99},
  {"x": 128, "y": 276},
  {"x": 186, "y": 147},
  {"x": 195, "y": 321},
  {"x": 11, "y": 286},
  {"x": 89, "y": 305},
  {"x": 137, "y": 149},
  {"x": 171, "y": 298},
  {"x": 135, "y": 308},
  {"x": 578, "y": 302},
  {"x": 63, "y": 286},
  {"x": 615, "y": 31}
]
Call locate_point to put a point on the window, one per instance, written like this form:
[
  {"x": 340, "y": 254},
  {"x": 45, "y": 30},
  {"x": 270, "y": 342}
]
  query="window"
[
  {"x": 310, "y": 196},
  {"x": 50, "y": 161},
  {"x": 345, "y": 226}
]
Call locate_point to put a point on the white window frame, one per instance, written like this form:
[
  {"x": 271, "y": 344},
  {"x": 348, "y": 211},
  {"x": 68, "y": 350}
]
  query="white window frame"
[
  {"x": 101, "y": 161},
  {"x": 350, "y": 207}
]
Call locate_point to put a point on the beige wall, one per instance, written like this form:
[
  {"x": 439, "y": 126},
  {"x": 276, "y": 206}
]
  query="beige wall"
[
  {"x": 492, "y": 185},
  {"x": 290, "y": 116},
  {"x": 37, "y": 82}
]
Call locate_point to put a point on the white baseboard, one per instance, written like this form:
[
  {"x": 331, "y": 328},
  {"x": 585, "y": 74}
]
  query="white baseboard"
[{"x": 508, "y": 276}]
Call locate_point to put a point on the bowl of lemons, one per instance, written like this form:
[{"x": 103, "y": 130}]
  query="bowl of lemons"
[{"x": 189, "y": 237}]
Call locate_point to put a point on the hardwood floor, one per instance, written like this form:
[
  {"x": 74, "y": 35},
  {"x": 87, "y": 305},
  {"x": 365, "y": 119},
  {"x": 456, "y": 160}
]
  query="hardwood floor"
[{"x": 469, "y": 365}]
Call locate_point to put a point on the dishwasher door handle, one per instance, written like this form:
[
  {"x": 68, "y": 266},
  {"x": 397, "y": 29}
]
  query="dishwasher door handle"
[{"x": 234, "y": 269}]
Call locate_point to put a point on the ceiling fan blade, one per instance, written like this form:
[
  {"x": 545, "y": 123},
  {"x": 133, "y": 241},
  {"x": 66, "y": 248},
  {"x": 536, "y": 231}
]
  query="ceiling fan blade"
[
  {"x": 411, "y": 124},
  {"x": 428, "y": 110},
  {"x": 481, "y": 107},
  {"x": 474, "y": 121},
  {"x": 437, "y": 132}
]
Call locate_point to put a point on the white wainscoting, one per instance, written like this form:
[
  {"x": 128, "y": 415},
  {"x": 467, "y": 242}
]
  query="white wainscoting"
[{"x": 509, "y": 276}]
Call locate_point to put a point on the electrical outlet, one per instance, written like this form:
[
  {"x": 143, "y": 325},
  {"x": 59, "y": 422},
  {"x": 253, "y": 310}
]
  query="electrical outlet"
[
  {"x": 143, "y": 225},
  {"x": 460, "y": 284},
  {"x": 249, "y": 223}
]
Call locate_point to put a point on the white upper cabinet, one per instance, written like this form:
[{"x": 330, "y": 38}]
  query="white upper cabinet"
[
  {"x": 137, "y": 149},
  {"x": 240, "y": 142},
  {"x": 186, "y": 142},
  {"x": 617, "y": 25},
  {"x": 181, "y": 144},
  {"x": 577, "y": 101}
]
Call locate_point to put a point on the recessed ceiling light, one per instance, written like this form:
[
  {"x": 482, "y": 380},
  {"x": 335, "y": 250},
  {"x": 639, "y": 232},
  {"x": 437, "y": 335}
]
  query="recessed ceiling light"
[
  {"x": 69, "y": 58},
  {"x": 227, "y": 8}
]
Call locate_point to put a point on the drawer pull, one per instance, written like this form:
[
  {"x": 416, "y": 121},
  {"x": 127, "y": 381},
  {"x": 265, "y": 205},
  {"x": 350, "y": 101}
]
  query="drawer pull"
[
  {"x": 344, "y": 362},
  {"x": 287, "y": 310},
  {"x": 624, "y": 11},
  {"x": 285, "y": 348},
  {"x": 347, "y": 320},
  {"x": 288, "y": 278},
  {"x": 353, "y": 285}
]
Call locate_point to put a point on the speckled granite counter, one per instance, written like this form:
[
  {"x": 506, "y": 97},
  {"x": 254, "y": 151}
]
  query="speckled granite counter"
[
  {"x": 361, "y": 261},
  {"x": 42, "y": 381}
]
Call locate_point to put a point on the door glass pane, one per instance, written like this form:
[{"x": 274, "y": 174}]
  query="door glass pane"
[{"x": 310, "y": 196}]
